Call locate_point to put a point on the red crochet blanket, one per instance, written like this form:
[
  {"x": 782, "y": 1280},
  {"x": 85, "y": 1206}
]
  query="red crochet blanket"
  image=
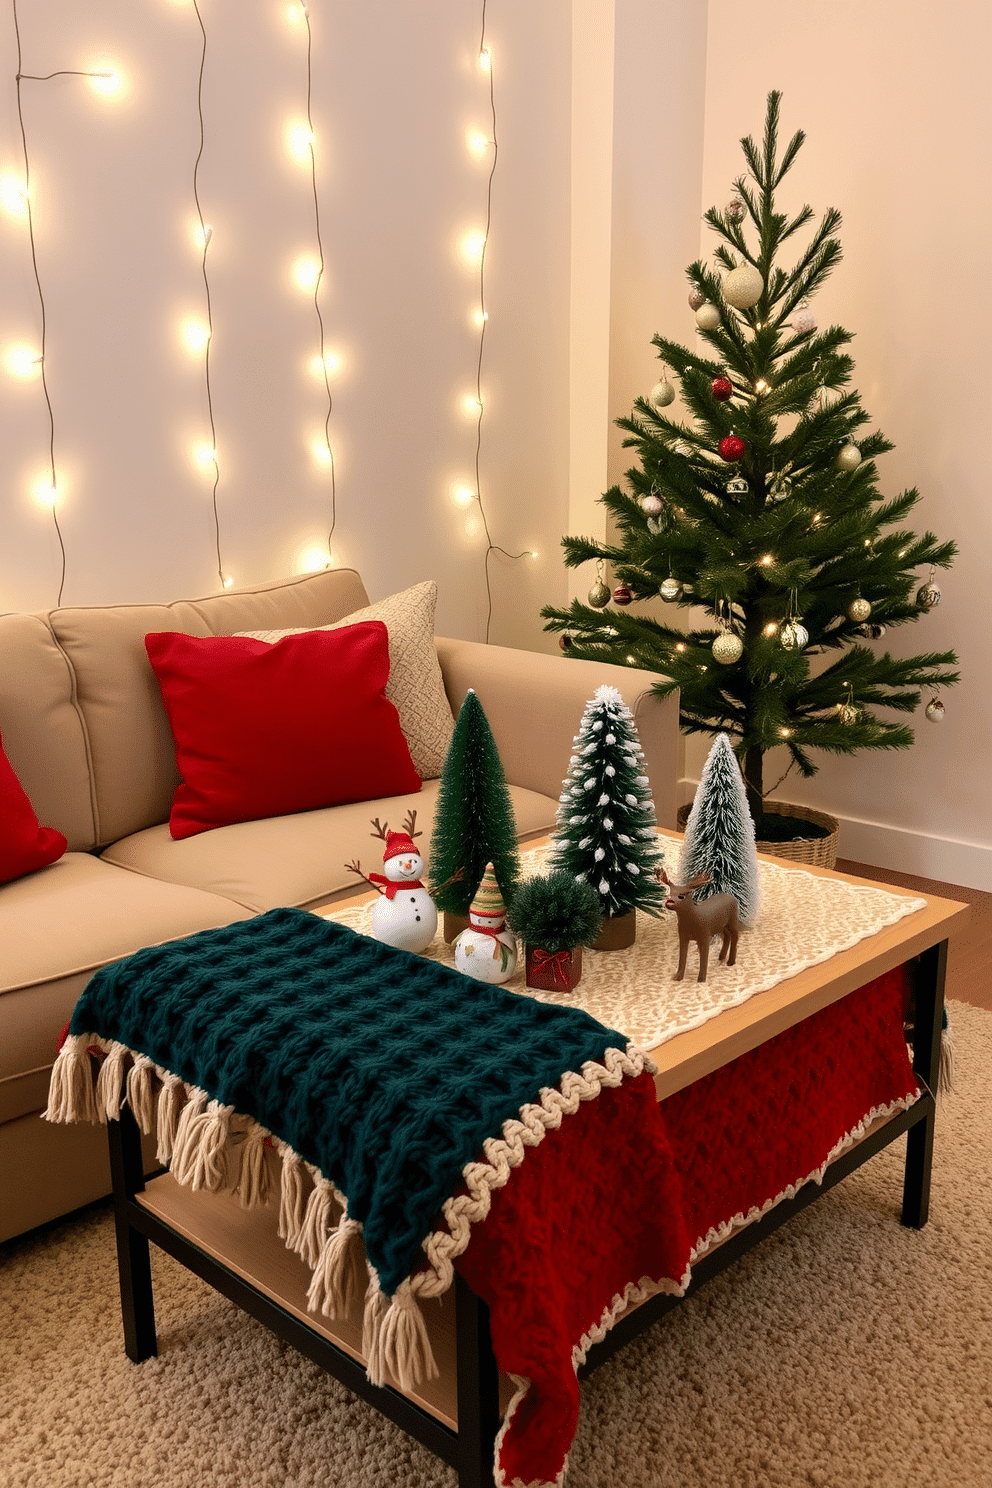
[{"x": 630, "y": 1189}]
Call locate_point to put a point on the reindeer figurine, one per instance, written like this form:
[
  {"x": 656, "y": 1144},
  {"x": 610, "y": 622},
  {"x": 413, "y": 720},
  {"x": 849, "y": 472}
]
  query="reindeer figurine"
[{"x": 718, "y": 915}]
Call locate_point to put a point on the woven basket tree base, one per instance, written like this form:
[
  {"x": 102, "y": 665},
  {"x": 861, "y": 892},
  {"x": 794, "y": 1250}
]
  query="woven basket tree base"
[
  {"x": 815, "y": 852},
  {"x": 617, "y": 933}
]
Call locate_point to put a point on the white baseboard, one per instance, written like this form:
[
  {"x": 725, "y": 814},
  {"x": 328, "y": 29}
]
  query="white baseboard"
[{"x": 924, "y": 854}]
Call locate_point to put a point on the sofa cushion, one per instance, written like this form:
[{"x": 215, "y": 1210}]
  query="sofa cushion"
[
  {"x": 25, "y": 845},
  {"x": 415, "y": 683},
  {"x": 56, "y": 927},
  {"x": 297, "y": 860},
  {"x": 116, "y": 704},
  {"x": 265, "y": 730}
]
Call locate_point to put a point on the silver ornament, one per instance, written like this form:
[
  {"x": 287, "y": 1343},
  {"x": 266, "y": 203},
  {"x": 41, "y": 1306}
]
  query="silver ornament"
[
  {"x": 781, "y": 486},
  {"x": 935, "y": 710},
  {"x": 707, "y": 317},
  {"x": 848, "y": 457},
  {"x": 599, "y": 595},
  {"x": 651, "y": 505},
  {"x": 743, "y": 287},
  {"x": 670, "y": 589},
  {"x": 793, "y": 635},
  {"x": 728, "y": 648},
  {"x": 662, "y": 393},
  {"x": 738, "y": 486},
  {"x": 654, "y": 525},
  {"x": 928, "y": 596},
  {"x": 847, "y": 713},
  {"x": 858, "y": 610},
  {"x": 735, "y": 209},
  {"x": 696, "y": 298},
  {"x": 873, "y": 632}
]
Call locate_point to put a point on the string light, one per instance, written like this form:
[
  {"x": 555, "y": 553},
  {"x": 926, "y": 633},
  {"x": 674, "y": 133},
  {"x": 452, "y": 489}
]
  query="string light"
[
  {"x": 325, "y": 363},
  {"x": 108, "y": 82},
  {"x": 331, "y": 363},
  {"x": 13, "y": 196},
  {"x": 299, "y": 142},
  {"x": 22, "y": 361},
  {"x": 17, "y": 202},
  {"x": 195, "y": 336},
  {"x": 206, "y": 455}
]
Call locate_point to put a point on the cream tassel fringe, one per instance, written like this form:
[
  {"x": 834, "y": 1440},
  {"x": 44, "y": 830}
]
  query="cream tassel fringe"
[
  {"x": 170, "y": 1106},
  {"x": 110, "y": 1083},
  {"x": 375, "y": 1309},
  {"x": 71, "y": 1096},
  {"x": 400, "y": 1347},
  {"x": 292, "y": 1201},
  {"x": 199, "y": 1160},
  {"x": 316, "y": 1222},
  {"x": 141, "y": 1092},
  {"x": 945, "y": 1074},
  {"x": 339, "y": 1272},
  {"x": 253, "y": 1177}
]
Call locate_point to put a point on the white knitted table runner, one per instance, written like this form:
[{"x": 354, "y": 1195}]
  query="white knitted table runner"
[{"x": 804, "y": 920}]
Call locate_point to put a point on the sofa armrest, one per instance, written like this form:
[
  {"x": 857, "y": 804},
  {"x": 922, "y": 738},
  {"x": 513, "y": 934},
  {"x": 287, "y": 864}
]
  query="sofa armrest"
[{"x": 534, "y": 703}]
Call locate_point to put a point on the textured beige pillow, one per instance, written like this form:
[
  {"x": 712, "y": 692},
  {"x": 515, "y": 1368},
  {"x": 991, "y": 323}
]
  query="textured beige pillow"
[{"x": 415, "y": 686}]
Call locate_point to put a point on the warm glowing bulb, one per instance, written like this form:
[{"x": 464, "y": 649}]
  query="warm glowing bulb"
[
  {"x": 13, "y": 196},
  {"x": 761, "y": 386},
  {"x": 768, "y": 560},
  {"x": 471, "y": 405},
  {"x": 485, "y": 60},
  {"x": 321, "y": 450},
  {"x": 473, "y": 245},
  {"x": 479, "y": 318},
  {"x": 771, "y": 628},
  {"x": 331, "y": 362},
  {"x": 299, "y": 141},
  {"x": 785, "y": 733},
  {"x": 314, "y": 558},
  {"x": 22, "y": 361},
  {"x": 195, "y": 336},
  {"x": 463, "y": 495},
  {"x": 306, "y": 272},
  {"x": 478, "y": 142},
  {"x": 205, "y": 455},
  {"x": 296, "y": 14},
  {"x": 46, "y": 492},
  {"x": 680, "y": 645},
  {"x": 228, "y": 581},
  {"x": 106, "y": 81}
]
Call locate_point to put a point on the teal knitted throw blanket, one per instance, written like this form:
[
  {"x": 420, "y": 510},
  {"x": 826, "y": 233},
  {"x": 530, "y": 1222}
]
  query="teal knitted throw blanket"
[{"x": 386, "y": 1071}]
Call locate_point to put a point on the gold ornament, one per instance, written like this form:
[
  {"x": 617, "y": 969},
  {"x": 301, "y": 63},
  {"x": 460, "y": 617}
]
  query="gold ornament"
[
  {"x": 599, "y": 595},
  {"x": 847, "y": 713},
  {"x": 670, "y": 589},
  {"x": 793, "y": 635},
  {"x": 858, "y": 610},
  {"x": 935, "y": 710},
  {"x": 728, "y": 648}
]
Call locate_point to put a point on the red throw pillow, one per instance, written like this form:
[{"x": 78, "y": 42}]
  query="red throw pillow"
[
  {"x": 24, "y": 845},
  {"x": 265, "y": 730}
]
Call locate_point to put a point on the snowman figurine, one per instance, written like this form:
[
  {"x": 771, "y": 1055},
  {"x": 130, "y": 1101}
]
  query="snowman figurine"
[
  {"x": 487, "y": 950},
  {"x": 404, "y": 915}
]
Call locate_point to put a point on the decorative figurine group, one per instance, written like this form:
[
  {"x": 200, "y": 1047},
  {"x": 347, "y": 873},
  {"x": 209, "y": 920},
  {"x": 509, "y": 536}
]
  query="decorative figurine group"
[{"x": 558, "y": 913}]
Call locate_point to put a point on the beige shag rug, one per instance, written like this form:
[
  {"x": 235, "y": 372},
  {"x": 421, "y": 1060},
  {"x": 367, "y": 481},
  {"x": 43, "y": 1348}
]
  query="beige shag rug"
[{"x": 846, "y": 1352}]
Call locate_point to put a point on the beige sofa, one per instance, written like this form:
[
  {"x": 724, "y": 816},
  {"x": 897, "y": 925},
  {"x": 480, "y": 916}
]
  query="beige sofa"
[{"x": 85, "y": 729}]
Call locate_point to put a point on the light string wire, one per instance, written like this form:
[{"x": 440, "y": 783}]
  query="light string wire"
[
  {"x": 318, "y": 281},
  {"x": 206, "y": 234},
  {"x": 22, "y": 77},
  {"x": 485, "y": 58}
]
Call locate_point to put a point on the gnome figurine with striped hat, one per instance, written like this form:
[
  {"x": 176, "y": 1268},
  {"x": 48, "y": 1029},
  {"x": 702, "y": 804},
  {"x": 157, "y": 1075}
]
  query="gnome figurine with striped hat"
[{"x": 487, "y": 950}]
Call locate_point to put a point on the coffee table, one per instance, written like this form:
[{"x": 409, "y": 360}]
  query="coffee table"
[{"x": 238, "y": 1252}]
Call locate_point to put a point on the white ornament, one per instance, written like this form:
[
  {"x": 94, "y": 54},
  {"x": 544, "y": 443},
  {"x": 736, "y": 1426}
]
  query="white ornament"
[
  {"x": 935, "y": 710},
  {"x": 670, "y": 589},
  {"x": 743, "y": 287},
  {"x": 404, "y": 915},
  {"x": 848, "y": 457},
  {"x": 728, "y": 648},
  {"x": 707, "y": 317},
  {"x": 651, "y": 505},
  {"x": 803, "y": 320},
  {"x": 662, "y": 393}
]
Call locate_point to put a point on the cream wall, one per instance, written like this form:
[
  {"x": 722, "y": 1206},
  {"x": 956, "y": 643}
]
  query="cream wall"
[
  {"x": 895, "y": 100},
  {"x": 396, "y": 88}
]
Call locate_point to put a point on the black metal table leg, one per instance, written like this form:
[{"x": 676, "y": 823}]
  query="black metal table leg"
[
  {"x": 133, "y": 1260},
  {"x": 478, "y": 1390},
  {"x": 929, "y": 990}
]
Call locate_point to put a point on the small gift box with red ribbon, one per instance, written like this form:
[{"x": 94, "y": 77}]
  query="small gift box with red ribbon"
[{"x": 553, "y": 971}]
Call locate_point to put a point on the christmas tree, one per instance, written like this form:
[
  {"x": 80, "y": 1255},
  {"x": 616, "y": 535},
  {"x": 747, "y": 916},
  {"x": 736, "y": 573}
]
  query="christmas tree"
[
  {"x": 607, "y": 831},
  {"x": 473, "y": 819},
  {"x": 764, "y": 509},
  {"x": 719, "y": 835}
]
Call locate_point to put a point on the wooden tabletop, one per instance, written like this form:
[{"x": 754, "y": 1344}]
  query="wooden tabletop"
[{"x": 689, "y": 1056}]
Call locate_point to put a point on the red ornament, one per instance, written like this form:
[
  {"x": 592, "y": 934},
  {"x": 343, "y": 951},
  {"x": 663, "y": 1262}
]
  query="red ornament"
[
  {"x": 731, "y": 448},
  {"x": 623, "y": 594},
  {"x": 722, "y": 388}
]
